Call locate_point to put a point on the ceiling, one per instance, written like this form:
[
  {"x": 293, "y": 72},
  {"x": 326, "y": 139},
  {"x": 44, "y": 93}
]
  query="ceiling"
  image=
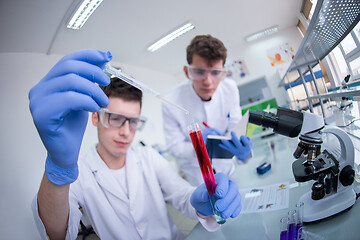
[{"x": 127, "y": 28}]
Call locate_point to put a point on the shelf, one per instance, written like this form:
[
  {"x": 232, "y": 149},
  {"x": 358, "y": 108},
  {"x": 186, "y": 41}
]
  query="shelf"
[
  {"x": 338, "y": 94},
  {"x": 331, "y": 22}
]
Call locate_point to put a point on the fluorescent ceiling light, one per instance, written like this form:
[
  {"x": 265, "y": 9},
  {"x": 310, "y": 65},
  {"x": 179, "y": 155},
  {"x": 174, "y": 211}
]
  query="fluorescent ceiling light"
[
  {"x": 262, "y": 34},
  {"x": 83, "y": 13},
  {"x": 171, "y": 36}
]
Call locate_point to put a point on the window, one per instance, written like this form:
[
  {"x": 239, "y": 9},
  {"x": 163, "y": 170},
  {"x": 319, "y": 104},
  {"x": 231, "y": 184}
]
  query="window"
[
  {"x": 348, "y": 44},
  {"x": 314, "y": 2},
  {"x": 341, "y": 66},
  {"x": 346, "y": 56},
  {"x": 355, "y": 66},
  {"x": 357, "y": 32}
]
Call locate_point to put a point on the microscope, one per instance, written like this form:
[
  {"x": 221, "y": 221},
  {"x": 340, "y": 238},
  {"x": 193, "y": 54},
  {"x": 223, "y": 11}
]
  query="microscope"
[
  {"x": 345, "y": 101},
  {"x": 332, "y": 191}
]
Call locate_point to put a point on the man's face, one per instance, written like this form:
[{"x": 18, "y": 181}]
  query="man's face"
[
  {"x": 114, "y": 141},
  {"x": 206, "y": 86}
]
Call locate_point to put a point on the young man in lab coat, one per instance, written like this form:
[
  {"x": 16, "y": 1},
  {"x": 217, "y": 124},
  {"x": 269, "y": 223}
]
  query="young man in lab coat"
[
  {"x": 212, "y": 100},
  {"x": 122, "y": 188}
]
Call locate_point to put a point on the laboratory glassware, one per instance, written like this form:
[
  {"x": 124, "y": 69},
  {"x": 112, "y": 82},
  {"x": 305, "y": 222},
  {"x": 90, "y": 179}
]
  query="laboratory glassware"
[
  {"x": 205, "y": 167},
  {"x": 139, "y": 85},
  {"x": 284, "y": 226},
  {"x": 292, "y": 225},
  {"x": 299, "y": 220}
]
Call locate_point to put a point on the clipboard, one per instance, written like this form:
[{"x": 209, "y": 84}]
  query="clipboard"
[
  {"x": 213, "y": 148},
  {"x": 213, "y": 141}
]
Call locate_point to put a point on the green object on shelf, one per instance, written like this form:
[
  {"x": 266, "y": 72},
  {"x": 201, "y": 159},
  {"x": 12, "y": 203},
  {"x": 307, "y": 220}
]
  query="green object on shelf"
[{"x": 253, "y": 129}]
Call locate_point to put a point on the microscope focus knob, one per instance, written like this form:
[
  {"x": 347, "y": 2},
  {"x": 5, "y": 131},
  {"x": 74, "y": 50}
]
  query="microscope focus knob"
[
  {"x": 318, "y": 191},
  {"x": 347, "y": 175}
]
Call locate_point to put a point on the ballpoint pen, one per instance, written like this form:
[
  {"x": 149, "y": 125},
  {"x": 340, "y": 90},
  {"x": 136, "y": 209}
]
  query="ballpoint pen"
[{"x": 205, "y": 124}]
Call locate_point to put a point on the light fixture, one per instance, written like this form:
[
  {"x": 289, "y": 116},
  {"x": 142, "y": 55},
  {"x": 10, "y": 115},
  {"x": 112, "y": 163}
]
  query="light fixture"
[
  {"x": 171, "y": 36},
  {"x": 262, "y": 34},
  {"x": 83, "y": 13}
]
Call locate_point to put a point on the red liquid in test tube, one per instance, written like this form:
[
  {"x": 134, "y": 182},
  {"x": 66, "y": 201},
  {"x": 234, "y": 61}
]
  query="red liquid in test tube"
[{"x": 205, "y": 166}]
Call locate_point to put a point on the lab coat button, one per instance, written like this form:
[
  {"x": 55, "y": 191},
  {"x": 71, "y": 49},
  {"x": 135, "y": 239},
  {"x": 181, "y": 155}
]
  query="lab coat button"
[
  {"x": 132, "y": 208},
  {"x": 140, "y": 226}
]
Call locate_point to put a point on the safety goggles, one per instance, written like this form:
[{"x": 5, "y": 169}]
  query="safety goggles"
[
  {"x": 196, "y": 73},
  {"x": 112, "y": 119}
]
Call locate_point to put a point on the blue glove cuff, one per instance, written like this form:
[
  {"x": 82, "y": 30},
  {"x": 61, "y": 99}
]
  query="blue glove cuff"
[{"x": 58, "y": 175}]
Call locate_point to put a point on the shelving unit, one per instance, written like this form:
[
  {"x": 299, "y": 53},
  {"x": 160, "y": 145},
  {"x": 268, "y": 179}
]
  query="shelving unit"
[{"x": 332, "y": 21}]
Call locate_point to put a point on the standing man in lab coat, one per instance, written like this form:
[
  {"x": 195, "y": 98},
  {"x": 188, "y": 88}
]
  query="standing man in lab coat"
[
  {"x": 122, "y": 188},
  {"x": 213, "y": 102}
]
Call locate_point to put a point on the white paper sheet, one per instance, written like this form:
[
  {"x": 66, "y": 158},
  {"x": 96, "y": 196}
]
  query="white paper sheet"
[
  {"x": 240, "y": 128},
  {"x": 265, "y": 198}
]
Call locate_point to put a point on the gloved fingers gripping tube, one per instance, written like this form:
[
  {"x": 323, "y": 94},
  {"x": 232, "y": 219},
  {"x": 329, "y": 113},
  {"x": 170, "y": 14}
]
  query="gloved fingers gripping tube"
[{"x": 205, "y": 167}]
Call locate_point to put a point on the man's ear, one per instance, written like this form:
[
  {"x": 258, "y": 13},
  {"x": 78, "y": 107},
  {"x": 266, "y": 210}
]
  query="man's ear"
[
  {"x": 186, "y": 71},
  {"x": 95, "y": 118}
]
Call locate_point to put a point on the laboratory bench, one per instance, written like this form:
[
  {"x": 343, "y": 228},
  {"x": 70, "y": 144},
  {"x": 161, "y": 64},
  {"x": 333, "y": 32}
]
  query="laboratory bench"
[{"x": 278, "y": 150}]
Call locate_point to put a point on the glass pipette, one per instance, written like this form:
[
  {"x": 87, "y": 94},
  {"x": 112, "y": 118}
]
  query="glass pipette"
[{"x": 144, "y": 88}]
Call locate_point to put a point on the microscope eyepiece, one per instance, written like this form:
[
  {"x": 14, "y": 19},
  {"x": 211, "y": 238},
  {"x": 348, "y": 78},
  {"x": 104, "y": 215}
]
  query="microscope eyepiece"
[
  {"x": 286, "y": 122},
  {"x": 262, "y": 118}
]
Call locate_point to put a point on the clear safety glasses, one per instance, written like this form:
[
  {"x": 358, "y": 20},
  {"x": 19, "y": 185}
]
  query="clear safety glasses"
[
  {"x": 112, "y": 119},
  {"x": 196, "y": 73}
]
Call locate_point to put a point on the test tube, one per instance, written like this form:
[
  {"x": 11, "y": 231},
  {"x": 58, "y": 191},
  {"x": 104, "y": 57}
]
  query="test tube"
[
  {"x": 299, "y": 220},
  {"x": 292, "y": 225},
  {"x": 284, "y": 224},
  {"x": 205, "y": 167}
]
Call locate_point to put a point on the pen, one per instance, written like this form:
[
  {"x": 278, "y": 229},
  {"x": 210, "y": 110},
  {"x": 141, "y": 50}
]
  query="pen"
[{"x": 205, "y": 124}]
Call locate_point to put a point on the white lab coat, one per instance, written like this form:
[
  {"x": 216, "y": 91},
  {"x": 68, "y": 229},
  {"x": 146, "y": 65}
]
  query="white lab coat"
[
  {"x": 222, "y": 112},
  {"x": 143, "y": 215}
]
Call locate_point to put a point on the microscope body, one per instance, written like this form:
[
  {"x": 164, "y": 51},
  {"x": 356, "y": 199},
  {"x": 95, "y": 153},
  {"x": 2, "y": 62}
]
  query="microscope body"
[{"x": 332, "y": 191}]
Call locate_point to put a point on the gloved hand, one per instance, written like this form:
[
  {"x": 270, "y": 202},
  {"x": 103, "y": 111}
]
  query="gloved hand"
[
  {"x": 209, "y": 131},
  {"x": 240, "y": 148},
  {"x": 59, "y": 105},
  {"x": 228, "y": 204}
]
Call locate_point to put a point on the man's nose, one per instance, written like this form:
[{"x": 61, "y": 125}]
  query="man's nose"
[
  {"x": 125, "y": 128},
  {"x": 207, "y": 78}
]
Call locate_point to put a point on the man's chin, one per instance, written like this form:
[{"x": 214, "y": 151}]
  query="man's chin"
[
  {"x": 120, "y": 150},
  {"x": 206, "y": 97}
]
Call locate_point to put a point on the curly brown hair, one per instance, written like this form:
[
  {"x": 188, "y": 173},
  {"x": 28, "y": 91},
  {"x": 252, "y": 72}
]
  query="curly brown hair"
[
  {"x": 208, "y": 47},
  {"x": 119, "y": 88}
]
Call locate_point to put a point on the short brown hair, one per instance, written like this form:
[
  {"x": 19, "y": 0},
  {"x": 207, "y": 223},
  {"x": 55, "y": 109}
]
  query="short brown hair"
[
  {"x": 208, "y": 47},
  {"x": 119, "y": 88}
]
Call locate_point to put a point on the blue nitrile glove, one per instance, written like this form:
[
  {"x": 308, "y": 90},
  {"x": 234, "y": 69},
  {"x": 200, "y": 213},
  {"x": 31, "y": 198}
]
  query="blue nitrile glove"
[
  {"x": 240, "y": 148},
  {"x": 228, "y": 204},
  {"x": 209, "y": 131},
  {"x": 59, "y": 105}
]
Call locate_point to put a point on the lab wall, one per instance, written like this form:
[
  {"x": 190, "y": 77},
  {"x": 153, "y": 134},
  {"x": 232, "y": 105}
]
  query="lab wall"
[
  {"x": 22, "y": 153},
  {"x": 258, "y": 64}
]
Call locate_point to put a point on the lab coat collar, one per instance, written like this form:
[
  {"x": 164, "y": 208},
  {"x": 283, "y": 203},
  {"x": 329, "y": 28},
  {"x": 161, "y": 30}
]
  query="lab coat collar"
[
  {"x": 101, "y": 172},
  {"x": 133, "y": 172}
]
